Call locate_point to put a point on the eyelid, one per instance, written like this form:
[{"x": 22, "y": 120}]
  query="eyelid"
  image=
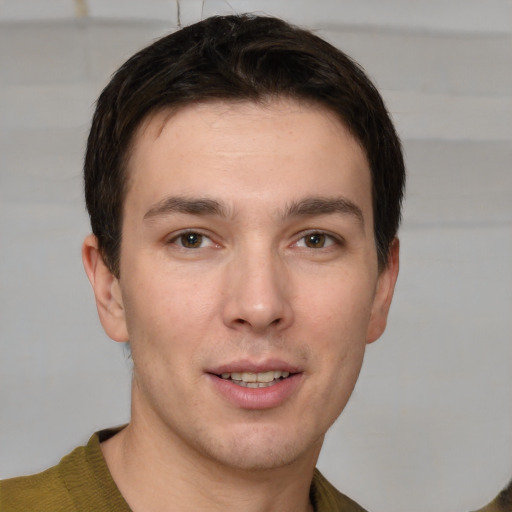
[
  {"x": 334, "y": 238},
  {"x": 175, "y": 236}
]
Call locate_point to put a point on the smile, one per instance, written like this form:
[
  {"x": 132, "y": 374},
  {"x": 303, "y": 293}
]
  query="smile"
[{"x": 256, "y": 380}]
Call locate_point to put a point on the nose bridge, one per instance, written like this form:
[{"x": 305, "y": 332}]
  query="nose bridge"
[{"x": 258, "y": 289}]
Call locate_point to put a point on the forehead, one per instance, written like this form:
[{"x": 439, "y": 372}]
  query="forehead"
[{"x": 280, "y": 150}]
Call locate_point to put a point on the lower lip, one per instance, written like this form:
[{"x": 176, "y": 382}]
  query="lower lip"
[{"x": 256, "y": 398}]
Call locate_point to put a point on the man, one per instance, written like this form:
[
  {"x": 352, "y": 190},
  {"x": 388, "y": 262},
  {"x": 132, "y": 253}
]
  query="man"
[{"x": 244, "y": 183}]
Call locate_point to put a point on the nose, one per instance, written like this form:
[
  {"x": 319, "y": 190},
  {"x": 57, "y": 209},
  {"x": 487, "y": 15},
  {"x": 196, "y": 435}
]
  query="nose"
[{"x": 257, "y": 294}]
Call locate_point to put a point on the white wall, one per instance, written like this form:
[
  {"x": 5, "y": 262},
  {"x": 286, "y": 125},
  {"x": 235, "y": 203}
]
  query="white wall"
[{"x": 430, "y": 424}]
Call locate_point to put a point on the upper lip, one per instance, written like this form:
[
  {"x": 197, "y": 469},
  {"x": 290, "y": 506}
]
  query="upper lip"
[{"x": 241, "y": 366}]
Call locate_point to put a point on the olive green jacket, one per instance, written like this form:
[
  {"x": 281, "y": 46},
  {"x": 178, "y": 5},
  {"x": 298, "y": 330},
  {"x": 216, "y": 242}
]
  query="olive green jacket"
[{"x": 82, "y": 482}]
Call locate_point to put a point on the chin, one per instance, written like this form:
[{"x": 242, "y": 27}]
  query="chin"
[{"x": 263, "y": 451}]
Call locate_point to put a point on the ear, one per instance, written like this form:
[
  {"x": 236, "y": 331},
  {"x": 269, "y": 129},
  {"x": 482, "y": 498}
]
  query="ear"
[
  {"x": 107, "y": 291},
  {"x": 384, "y": 294}
]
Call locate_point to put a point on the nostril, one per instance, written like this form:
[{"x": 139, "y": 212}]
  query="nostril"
[{"x": 241, "y": 321}]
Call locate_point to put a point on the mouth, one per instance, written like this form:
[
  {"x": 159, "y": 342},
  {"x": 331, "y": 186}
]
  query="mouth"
[
  {"x": 256, "y": 380},
  {"x": 259, "y": 385}
]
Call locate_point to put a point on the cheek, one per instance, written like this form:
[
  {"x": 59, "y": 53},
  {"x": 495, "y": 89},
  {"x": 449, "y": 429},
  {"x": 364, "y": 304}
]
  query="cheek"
[
  {"x": 168, "y": 314},
  {"x": 341, "y": 305},
  {"x": 336, "y": 318}
]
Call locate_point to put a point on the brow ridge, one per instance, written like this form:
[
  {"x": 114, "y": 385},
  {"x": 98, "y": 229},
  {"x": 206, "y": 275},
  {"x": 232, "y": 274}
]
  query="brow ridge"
[
  {"x": 307, "y": 207},
  {"x": 312, "y": 206},
  {"x": 187, "y": 205}
]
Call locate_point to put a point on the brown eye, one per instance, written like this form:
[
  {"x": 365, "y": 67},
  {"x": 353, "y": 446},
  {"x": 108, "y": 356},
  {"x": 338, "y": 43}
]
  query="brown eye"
[
  {"x": 191, "y": 240},
  {"x": 315, "y": 240}
]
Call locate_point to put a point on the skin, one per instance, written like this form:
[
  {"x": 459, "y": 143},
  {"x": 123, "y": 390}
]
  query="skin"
[{"x": 265, "y": 277}]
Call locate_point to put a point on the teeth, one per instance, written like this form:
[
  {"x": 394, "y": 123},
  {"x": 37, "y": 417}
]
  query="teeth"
[
  {"x": 254, "y": 384},
  {"x": 255, "y": 380},
  {"x": 263, "y": 376}
]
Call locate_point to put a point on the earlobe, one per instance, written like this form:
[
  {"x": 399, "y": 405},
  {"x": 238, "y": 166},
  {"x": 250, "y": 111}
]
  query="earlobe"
[
  {"x": 107, "y": 291},
  {"x": 384, "y": 294}
]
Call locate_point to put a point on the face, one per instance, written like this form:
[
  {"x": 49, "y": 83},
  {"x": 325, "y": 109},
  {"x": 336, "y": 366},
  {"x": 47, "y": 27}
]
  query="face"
[{"x": 249, "y": 284}]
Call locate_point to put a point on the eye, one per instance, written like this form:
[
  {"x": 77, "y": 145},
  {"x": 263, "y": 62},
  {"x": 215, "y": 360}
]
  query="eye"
[
  {"x": 316, "y": 240},
  {"x": 192, "y": 240}
]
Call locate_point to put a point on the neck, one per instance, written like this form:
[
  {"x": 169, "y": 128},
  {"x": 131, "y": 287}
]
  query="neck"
[{"x": 154, "y": 471}]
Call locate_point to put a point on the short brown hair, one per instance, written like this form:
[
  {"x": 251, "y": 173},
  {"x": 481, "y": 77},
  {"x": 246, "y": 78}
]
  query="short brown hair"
[{"x": 237, "y": 57}]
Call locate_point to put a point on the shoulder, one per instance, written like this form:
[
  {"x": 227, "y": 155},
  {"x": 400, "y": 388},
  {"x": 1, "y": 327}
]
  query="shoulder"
[
  {"x": 326, "y": 498},
  {"x": 36, "y": 493},
  {"x": 81, "y": 481}
]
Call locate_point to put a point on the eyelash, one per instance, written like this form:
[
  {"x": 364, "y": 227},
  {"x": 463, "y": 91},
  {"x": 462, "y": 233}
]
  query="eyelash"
[
  {"x": 329, "y": 240},
  {"x": 177, "y": 239}
]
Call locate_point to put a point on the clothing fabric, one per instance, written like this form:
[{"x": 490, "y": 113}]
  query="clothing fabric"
[
  {"x": 502, "y": 502},
  {"x": 82, "y": 482}
]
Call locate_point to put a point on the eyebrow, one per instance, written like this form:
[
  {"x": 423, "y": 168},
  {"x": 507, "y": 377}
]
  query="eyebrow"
[
  {"x": 323, "y": 206},
  {"x": 307, "y": 207},
  {"x": 191, "y": 206}
]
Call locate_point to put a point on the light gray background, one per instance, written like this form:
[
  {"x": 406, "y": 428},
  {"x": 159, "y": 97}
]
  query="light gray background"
[{"x": 430, "y": 424}]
